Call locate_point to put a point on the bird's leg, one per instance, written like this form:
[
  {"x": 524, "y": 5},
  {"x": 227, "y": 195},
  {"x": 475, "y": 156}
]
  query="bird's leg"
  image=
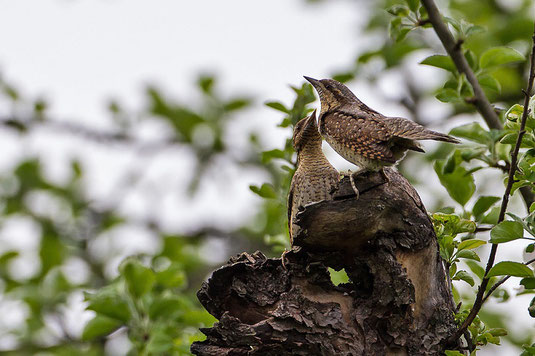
[
  {"x": 283, "y": 258},
  {"x": 352, "y": 176},
  {"x": 355, "y": 189}
]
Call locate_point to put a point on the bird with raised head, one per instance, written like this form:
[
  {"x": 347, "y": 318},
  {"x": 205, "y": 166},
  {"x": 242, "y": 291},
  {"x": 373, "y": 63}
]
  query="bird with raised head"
[
  {"x": 315, "y": 179},
  {"x": 362, "y": 135}
]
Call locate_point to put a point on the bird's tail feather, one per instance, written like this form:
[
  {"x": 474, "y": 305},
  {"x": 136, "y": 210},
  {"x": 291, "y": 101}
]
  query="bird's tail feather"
[
  {"x": 437, "y": 136},
  {"x": 404, "y": 128}
]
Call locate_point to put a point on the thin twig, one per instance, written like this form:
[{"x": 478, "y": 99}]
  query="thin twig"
[
  {"x": 478, "y": 303},
  {"x": 88, "y": 133},
  {"x": 483, "y": 228},
  {"x": 500, "y": 282}
]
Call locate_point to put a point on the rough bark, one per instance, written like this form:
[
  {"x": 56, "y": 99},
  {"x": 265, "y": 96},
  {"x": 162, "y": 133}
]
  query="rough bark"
[{"x": 398, "y": 300}]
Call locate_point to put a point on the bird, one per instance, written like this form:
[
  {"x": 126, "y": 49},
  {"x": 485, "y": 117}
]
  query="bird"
[
  {"x": 315, "y": 179},
  {"x": 362, "y": 135}
]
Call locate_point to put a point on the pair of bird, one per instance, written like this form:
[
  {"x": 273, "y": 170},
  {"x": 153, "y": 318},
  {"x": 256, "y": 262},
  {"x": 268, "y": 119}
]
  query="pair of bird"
[{"x": 358, "y": 133}]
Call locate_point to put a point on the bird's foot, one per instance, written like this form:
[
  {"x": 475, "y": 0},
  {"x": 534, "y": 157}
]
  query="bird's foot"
[
  {"x": 353, "y": 185},
  {"x": 283, "y": 259},
  {"x": 352, "y": 176}
]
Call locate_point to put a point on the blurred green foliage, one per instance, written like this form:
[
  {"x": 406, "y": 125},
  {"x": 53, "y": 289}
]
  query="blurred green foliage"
[{"x": 151, "y": 297}]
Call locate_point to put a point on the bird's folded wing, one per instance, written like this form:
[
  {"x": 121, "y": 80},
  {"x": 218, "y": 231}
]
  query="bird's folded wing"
[{"x": 362, "y": 133}]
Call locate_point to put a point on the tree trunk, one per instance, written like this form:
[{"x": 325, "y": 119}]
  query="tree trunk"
[{"x": 398, "y": 300}]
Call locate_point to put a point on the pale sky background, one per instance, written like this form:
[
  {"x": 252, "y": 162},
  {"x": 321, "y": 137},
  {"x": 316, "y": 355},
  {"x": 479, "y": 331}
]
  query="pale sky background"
[{"x": 80, "y": 53}]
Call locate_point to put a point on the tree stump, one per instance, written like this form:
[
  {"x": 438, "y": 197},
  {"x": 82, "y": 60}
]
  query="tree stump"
[{"x": 398, "y": 300}]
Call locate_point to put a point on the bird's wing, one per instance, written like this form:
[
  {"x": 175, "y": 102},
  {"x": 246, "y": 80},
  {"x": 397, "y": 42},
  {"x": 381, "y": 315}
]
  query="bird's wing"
[
  {"x": 404, "y": 128},
  {"x": 364, "y": 133}
]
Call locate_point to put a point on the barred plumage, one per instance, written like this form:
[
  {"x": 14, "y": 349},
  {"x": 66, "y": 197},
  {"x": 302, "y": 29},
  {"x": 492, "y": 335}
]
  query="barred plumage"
[
  {"x": 362, "y": 135},
  {"x": 315, "y": 178}
]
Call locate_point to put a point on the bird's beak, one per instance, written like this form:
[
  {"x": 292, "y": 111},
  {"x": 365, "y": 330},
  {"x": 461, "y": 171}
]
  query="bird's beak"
[
  {"x": 311, "y": 120},
  {"x": 312, "y": 81}
]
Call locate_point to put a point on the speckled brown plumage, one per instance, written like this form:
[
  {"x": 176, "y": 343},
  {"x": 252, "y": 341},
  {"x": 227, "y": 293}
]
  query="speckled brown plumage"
[
  {"x": 315, "y": 178},
  {"x": 362, "y": 135}
]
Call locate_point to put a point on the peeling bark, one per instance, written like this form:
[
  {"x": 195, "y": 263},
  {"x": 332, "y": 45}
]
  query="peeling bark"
[{"x": 397, "y": 301}]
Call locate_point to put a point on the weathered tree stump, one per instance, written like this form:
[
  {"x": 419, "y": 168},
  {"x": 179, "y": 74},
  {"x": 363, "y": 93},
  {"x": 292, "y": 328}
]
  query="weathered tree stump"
[{"x": 398, "y": 301}]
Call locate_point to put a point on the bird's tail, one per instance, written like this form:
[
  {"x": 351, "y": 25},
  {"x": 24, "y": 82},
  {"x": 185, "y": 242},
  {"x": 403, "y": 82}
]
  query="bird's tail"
[
  {"x": 408, "y": 129},
  {"x": 437, "y": 136}
]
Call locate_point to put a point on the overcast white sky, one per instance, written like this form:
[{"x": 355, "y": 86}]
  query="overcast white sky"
[{"x": 79, "y": 53}]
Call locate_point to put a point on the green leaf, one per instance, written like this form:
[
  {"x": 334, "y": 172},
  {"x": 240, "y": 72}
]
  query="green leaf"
[
  {"x": 530, "y": 248},
  {"x": 490, "y": 83},
  {"x": 483, "y": 204},
  {"x": 166, "y": 307},
  {"x": 172, "y": 277},
  {"x": 265, "y": 191},
  {"x": 476, "y": 268},
  {"x": 471, "y": 58},
  {"x": 8, "y": 256},
  {"x": 413, "y": 4},
  {"x": 473, "y": 132},
  {"x": 267, "y": 156},
  {"x": 109, "y": 303},
  {"x": 139, "y": 279},
  {"x": 506, "y": 231},
  {"x": 459, "y": 184},
  {"x": 528, "y": 283},
  {"x": 448, "y": 95},
  {"x": 159, "y": 343},
  {"x": 453, "y": 224},
  {"x": 398, "y": 30},
  {"x": 492, "y": 216},
  {"x": 470, "y": 244},
  {"x": 453, "y": 22},
  {"x": 237, "y": 104},
  {"x": 464, "y": 276},
  {"x": 277, "y": 106},
  {"x": 468, "y": 254},
  {"x": 531, "y": 308},
  {"x": 100, "y": 326},
  {"x": 343, "y": 77},
  {"x": 338, "y": 277},
  {"x": 514, "y": 113},
  {"x": 497, "y": 332},
  {"x": 398, "y": 10},
  {"x": 206, "y": 83},
  {"x": 453, "y": 353},
  {"x": 498, "y": 56},
  {"x": 440, "y": 61},
  {"x": 474, "y": 29},
  {"x": 509, "y": 268},
  {"x": 453, "y": 270}
]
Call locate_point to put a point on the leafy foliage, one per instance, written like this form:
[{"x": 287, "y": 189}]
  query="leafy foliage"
[{"x": 150, "y": 297}]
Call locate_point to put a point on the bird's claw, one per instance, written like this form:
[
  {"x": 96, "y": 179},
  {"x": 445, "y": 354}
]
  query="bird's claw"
[
  {"x": 283, "y": 259},
  {"x": 352, "y": 180},
  {"x": 353, "y": 185}
]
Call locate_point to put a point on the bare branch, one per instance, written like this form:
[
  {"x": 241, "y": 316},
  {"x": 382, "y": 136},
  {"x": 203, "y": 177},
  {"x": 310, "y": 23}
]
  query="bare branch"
[{"x": 85, "y": 132}]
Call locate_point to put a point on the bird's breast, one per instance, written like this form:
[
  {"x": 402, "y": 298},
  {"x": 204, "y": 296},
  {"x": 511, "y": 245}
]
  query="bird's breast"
[{"x": 354, "y": 157}]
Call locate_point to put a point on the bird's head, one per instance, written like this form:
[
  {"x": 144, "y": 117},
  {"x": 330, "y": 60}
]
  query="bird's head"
[
  {"x": 306, "y": 132},
  {"x": 332, "y": 93}
]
